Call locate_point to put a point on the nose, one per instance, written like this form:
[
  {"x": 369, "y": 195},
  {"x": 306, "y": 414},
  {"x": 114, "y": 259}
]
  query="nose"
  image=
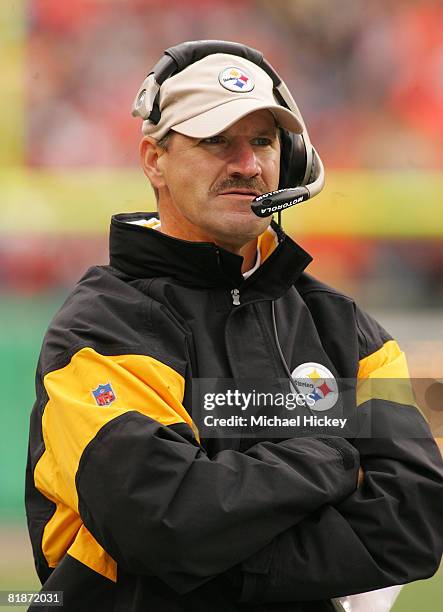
[{"x": 242, "y": 160}]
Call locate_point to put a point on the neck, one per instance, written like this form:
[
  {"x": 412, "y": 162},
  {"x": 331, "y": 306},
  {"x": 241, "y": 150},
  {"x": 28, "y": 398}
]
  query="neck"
[{"x": 249, "y": 254}]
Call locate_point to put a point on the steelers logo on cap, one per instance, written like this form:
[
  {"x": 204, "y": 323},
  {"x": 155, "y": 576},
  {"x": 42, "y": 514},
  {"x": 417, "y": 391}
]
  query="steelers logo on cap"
[
  {"x": 236, "y": 79},
  {"x": 316, "y": 381}
]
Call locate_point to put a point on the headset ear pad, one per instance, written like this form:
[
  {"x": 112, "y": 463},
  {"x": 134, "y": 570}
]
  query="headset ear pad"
[{"x": 292, "y": 159}]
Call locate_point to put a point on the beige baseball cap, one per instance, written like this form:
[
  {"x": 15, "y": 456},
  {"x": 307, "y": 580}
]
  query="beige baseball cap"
[{"x": 210, "y": 95}]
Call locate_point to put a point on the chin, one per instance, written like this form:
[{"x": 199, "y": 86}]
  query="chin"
[{"x": 242, "y": 227}]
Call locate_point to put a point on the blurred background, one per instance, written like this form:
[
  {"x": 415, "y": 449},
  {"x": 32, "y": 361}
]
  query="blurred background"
[{"x": 368, "y": 77}]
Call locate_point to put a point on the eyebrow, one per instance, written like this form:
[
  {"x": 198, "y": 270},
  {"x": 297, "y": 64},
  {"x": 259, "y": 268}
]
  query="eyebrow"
[
  {"x": 267, "y": 132},
  {"x": 270, "y": 132}
]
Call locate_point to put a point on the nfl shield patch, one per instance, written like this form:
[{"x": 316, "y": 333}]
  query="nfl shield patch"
[{"x": 104, "y": 395}]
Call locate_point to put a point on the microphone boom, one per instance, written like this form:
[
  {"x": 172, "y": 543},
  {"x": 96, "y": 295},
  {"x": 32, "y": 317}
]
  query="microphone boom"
[{"x": 275, "y": 201}]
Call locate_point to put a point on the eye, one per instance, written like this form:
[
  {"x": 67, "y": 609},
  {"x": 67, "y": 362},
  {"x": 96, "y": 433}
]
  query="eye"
[
  {"x": 212, "y": 140},
  {"x": 262, "y": 141}
]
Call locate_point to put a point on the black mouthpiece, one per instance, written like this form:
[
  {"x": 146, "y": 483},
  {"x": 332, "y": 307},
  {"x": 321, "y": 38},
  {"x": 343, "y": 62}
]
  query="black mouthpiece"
[{"x": 276, "y": 201}]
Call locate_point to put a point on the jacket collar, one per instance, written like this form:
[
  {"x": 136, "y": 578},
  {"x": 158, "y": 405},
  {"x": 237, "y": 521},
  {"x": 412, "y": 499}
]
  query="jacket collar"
[{"x": 142, "y": 252}]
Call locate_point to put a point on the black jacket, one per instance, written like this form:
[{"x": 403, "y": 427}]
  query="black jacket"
[{"x": 129, "y": 509}]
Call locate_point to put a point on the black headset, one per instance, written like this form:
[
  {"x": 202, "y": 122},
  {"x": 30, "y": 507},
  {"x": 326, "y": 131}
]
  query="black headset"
[{"x": 301, "y": 169}]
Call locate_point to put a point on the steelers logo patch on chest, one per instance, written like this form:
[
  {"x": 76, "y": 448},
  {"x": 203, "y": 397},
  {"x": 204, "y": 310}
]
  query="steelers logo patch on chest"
[{"x": 317, "y": 384}]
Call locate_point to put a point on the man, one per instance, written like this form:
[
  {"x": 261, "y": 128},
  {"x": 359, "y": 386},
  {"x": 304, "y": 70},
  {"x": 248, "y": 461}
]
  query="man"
[{"x": 129, "y": 507}]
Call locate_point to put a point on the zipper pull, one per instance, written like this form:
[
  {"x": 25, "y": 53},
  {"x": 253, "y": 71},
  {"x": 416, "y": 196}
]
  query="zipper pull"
[{"x": 235, "y": 293}]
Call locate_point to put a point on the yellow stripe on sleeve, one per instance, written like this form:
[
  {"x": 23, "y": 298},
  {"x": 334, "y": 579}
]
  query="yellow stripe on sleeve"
[
  {"x": 72, "y": 418},
  {"x": 389, "y": 355},
  {"x": 87, "y": 550},
  {"x": 59, "y": 533},
  {"x": 384, "y": 375},
  {"x": 65, "y": 532}
]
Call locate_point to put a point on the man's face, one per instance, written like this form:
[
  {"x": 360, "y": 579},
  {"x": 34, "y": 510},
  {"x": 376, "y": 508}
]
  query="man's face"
[{"x": 207, "y": 185}]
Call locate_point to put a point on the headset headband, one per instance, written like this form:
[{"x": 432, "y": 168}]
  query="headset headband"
[{"x": 177, "y": 58}]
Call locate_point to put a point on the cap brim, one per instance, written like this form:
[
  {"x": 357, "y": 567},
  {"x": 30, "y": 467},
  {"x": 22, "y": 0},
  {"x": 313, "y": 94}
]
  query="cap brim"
[{"x": 221, "y": 117}]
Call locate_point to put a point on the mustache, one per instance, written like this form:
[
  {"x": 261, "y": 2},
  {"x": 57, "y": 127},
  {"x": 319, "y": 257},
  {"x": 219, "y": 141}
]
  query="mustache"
[{"x": 255, "y": 184}]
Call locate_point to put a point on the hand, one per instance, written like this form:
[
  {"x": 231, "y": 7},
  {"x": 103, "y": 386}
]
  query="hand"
[{"x": 361, "y": 477}]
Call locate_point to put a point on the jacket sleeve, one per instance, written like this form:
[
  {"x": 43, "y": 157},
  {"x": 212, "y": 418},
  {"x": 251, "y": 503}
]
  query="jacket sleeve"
[
  {"x": 389, "y": 531},
  {"x": 121, "y": 451}
]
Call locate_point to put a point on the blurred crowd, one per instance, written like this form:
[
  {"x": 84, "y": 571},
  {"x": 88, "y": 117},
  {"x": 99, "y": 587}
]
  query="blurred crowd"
[{"x": 368, "y": 76}]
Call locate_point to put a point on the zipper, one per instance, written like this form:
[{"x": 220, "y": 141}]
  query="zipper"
[{"x": 235, "y": 294}]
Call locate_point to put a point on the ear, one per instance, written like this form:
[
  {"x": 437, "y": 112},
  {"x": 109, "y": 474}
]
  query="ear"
[{"x": 150, "y": 153}]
